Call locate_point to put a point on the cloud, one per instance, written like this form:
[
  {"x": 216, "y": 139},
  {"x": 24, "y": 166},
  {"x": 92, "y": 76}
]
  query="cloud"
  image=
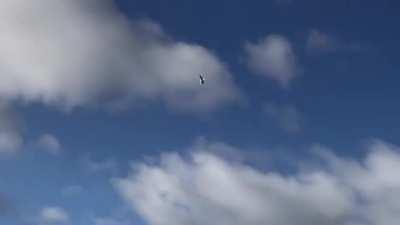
[
  {"x": 274, "y": 58},
  {"x": 54, "y": 215},
  {"x": 100, "y": 166},
  {"x": 49, "y": 143},
  {"x": 374, "y": 181},
  {"x": 74, "y": 53},
  {"x": 11, "y": 139},
  {"x": 207, "y": 189},
  {"x": 109, "y": 221},
  {"x": 287, "y": 116},
  {"x": 320, "y": 42},
  {"x": 10, "y": 142},
  {"x": 105, "y": 221}
]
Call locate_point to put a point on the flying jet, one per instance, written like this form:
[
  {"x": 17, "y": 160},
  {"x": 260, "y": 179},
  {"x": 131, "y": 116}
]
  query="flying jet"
[{"x": 202, "y": 81}]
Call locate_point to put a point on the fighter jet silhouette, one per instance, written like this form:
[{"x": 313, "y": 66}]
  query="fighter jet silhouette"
[{"x": 202, "y": 81}]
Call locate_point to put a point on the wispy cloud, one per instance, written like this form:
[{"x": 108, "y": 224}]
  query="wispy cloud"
[
  {"x": 109, "y": 221},
  {"x": 87, "y": 52},
  {"x": 49, "y": 143},
  {"x": 54, "y": 215},
  {"x": 108, "y": 165},
  {"x": 11, "y": 139},
  {"x": 207, "y": 189},
  {"x": 320, "y": 42},
  {"x": 273, "y": 57}
]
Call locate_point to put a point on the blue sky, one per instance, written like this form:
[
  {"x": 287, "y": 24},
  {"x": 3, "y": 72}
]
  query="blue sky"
[{"x": 103, "y": 120}]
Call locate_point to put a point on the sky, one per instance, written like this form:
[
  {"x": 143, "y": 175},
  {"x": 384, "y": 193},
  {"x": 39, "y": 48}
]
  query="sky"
[{"x": 103, "y": 120}]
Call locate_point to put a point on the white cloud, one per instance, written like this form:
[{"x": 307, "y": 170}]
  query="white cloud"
[
  {"x": 375, "y": 182},
  {"x": 49, "y": 143},
  {"x": 10, "y": 134},
  {"x": 73, "y": 53},
  {"x": 54, "y": 215},
  {"x": 288, "y": 116},
  {"x": 274, "y": 58},
  {"x": 207, "y": 189}
]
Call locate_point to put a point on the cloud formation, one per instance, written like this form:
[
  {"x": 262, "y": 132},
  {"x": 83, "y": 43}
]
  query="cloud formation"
[
  {"x": 109, "y": 221},
  {"x": 73, "y": 53},
  {"x": 207, "y": 189},
  {"x": 53, "y": 215},
  {"x": 320, "y": 42},
  {"x": 274, "y": 58},
  {"x": 109, "y": 165},
  {"x": 49, "y": 143},
  {"x": 10, "y": 132}
]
